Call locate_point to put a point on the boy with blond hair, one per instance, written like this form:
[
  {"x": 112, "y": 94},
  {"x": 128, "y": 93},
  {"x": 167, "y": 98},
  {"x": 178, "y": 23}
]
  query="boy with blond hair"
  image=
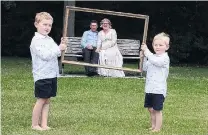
[
  {"x": 157, "y": 67},
  {"x": 44, "y": 52}
]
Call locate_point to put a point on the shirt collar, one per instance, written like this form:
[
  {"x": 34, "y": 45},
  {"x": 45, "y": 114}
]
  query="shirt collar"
[
  {"x": 40, "y": 35},
  {"x": 162, "y": 54},
  {"x": 93, "y": 31}
]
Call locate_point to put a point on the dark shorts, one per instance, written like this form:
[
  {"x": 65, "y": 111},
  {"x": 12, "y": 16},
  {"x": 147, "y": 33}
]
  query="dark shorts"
[
  {"x": 154, "y": 101},
  {"x": 46, "y": 88}
]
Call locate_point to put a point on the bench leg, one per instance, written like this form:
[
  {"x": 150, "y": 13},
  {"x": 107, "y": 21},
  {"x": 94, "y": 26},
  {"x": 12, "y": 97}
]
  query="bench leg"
[
  {"x": 61, "y": 68},
  {"x": 141, "y": 75}
]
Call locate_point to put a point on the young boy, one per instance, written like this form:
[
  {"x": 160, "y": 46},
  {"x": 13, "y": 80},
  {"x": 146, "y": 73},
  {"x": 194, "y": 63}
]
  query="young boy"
[
  {"x": 44, "y": 52},
  {"x": 157, "y": 67}
]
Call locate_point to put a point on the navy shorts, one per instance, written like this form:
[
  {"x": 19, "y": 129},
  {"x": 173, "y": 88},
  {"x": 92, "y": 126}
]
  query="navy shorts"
[
  {"x": 154, "y": 101},
  {"x": 46, "y": 88}
]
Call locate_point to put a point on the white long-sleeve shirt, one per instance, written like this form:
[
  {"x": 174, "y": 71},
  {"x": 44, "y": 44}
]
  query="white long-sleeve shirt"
[
  {"x": 157, "y": 67},
  {"x": 44, "y": 52}
]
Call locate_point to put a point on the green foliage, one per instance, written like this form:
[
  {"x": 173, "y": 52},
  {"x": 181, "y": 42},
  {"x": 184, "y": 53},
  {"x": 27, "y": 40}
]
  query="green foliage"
[
  {"x": 18, "y": 25},
  {"x": 8, "y": 4},
  {"x": 103, "y": 106}
]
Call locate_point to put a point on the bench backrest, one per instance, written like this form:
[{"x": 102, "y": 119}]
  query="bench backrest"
[{"x": 129, "y": 48}]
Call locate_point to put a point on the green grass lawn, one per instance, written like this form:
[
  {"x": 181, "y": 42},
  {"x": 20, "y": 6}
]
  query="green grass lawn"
[{"x": 103, "y": 106}]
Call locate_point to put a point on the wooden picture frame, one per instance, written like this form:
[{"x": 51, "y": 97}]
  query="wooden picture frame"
[{"x": 98, "y": 11}]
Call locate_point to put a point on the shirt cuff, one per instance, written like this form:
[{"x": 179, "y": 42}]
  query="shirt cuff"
[
  {"x": 58, "y": 52},
  {"x": 147, "y": 52}
]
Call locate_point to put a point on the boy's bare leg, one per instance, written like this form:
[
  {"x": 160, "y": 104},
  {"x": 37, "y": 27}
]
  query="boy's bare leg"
[
  {"x": 158, "y": 125},
  {"x": 39, "y": 122},
  {"x": 45, "y": 111},
  {"x": 153, "y": 118},
  {"x": 36, "y": 113}
]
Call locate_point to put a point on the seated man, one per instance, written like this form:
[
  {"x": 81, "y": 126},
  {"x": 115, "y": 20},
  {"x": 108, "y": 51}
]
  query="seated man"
[{"x": 89, "y": 45}]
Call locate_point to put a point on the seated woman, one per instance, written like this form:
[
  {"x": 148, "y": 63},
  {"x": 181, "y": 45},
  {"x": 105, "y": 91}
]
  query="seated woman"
[{"x": 109, "y": 53}]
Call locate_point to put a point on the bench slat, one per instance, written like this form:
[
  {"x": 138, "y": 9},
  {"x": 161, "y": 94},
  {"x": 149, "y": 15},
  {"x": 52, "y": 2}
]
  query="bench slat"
[
  {"x": 119, "y": 44},
  {"x": 123, "y": 52},
  {"x": 79, "y": 39},
  {"x": 120, "y": 48},
  {"x": 80, "y": 56}
]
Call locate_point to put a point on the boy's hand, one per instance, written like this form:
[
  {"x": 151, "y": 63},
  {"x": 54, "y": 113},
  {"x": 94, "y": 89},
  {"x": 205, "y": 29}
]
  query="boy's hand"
[
  {"x": 143, "y": 47},
  {"x": 63, "y": 45},
  {"x": 64, "y": 40},
  {"x": 141, "y": 54}
]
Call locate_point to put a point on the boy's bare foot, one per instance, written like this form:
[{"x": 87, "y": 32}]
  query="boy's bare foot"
[
  {"x": 151, "y": 128},
  {"x": 156, "y": 130},
  {"x": 46, "y": 128},
  {"x": 37, "y": 128}
]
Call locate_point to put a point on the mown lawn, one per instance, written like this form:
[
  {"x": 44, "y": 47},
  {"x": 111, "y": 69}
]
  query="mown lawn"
[{"x": 103, "y": 106}]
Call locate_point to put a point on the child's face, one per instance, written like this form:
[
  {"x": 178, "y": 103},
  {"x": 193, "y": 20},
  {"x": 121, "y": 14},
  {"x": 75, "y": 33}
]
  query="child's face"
[
  {"x": 44, "y": 26},
  {"x": 159, "y": 46}
]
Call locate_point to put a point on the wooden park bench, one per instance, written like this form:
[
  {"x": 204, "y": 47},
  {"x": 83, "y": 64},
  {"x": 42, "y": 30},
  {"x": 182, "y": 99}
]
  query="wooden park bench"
[{"x": 129, "y": 49}]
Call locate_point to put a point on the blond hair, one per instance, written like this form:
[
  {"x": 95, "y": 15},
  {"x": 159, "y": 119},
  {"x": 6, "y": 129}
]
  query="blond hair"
[
  {"x": 162, "y": 36},
  {"x": 105, "y": 20},
  {"x": 43, "y": 15}
]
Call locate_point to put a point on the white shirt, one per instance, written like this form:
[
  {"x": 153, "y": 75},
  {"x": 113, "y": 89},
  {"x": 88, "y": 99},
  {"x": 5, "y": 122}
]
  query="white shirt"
[
  {"x": 44, "y": 52},
  {"x": 157, "y": 67}
]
